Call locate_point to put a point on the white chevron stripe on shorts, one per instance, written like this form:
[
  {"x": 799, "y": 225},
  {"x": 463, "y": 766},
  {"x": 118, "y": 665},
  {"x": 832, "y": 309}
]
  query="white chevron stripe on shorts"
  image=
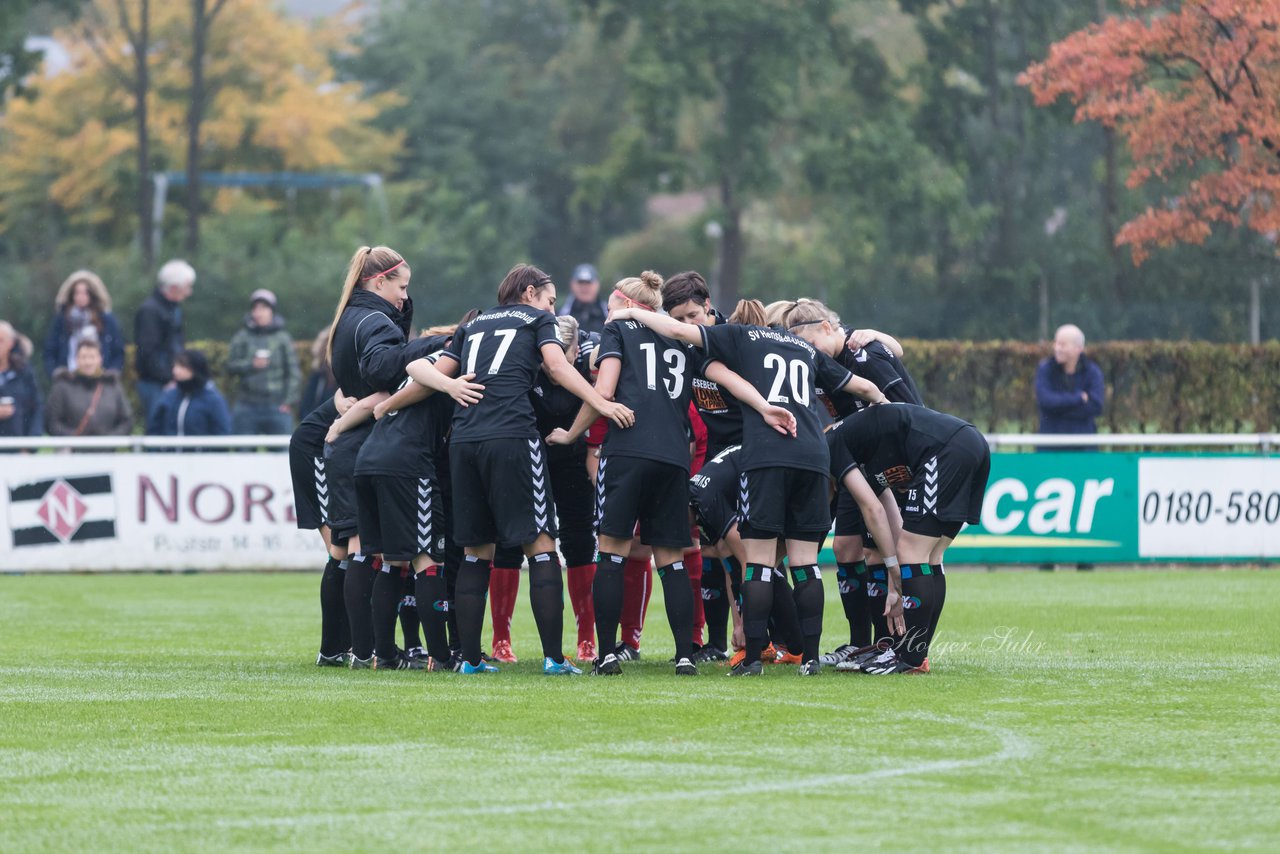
[
  {"x": 538, "y": 468},
  {"x": 600, "y": 490},
  {"x": 930, "y": 491},
  {"x": 424, "y": 514},
  {"x": 322, "y": 485},
  {"x": 744, "y": 497}
]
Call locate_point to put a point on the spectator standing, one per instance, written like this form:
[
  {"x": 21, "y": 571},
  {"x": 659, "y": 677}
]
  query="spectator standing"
[
  {"x": 583, "y": 303},
  {"x": 83, "y": 312},
  {"x": 20, "y": 413},
  {"x": 263, "y": 358},
  {"x": 1070, "y": 390},
  {"x": 87, "y": 401},
  {"x": 157, "y": 331},
  {"x": 193, "y": 406},
  {"x": 321, "y": 385}
]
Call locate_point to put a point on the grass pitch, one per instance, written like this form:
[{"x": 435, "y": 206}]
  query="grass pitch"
[{"x": 1123, "y": 710}]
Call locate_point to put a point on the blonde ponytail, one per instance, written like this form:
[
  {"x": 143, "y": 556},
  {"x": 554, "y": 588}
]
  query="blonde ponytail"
[
  {"x": 749, "y": 312},
  {"x": 368, "y": 263}
]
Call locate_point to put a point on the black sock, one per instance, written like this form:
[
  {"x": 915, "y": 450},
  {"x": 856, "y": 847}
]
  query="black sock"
[
  {"x": 715, "y": 602},
  {"x": 853, "y": 596},
  {"x": 357, "y": 590},
  {"x": 386, "y": 602},
  {"x": 606, "y": 598},
  {"x": 335, "y": 637},
  {"x": 546, "y": 594},
  {"x": 408, "y": 611},
  {"x": 734, "y": 569},
  {"x": 451, "y": 604},
  {"x": 877, "y": 590},
  {"x": 757, "y": 603},
  {"x": 785, "y": 617},
  {"x": 808, "y": 599},
  {"x": 472, "y": 593},
  {"x": 678, "y": 596},
  {"x": 431, "y": 593},
  {"x": 917, "y": 612},
  {"x": 939, "y": 597}
]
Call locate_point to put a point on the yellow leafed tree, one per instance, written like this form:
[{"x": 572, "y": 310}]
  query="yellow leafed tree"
[{"x": 274, "y": 103}]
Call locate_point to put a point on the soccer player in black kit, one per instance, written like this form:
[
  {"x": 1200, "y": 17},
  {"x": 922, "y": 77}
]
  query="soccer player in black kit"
[
  {"x": 644, "y": 471},
  {"x": 784, "y": 491},
  {"x": 501, "y": 488},
  {"x": 860, "y": 565},
  {"x": 942, "y": 464}
]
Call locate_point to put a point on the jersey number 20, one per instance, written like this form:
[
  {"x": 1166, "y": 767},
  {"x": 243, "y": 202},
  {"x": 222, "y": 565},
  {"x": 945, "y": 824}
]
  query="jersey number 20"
[
  {"x": 674, "y": 381},
  {"x": 798, "y": 373}
]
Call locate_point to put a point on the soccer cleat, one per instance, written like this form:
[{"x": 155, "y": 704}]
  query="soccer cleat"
[
  {"x": 416, "y": 652},
  {"x": 339, "y": 660},
  {"x": 587, "y": 651},
  {"x": 607, "y": 666},
  {"x": 627, "y": 653},
  {"x": 863, "y": 663},
  {"x": 865, "y": 655},
  {"x": 468, "y": 668},
  {"x": 685, "y": 667},
  {"x": 837, "y": 655},
  {"x": 895, "y": 666},
  {"x": 362, "y": 663},
  {"x": 562, "y": 668},
  {"x": 784, "y": 657},
  {"x": 738, "y": 657},
  {"x": 710, "y": 653},
  {"x": 502, "y": 652},
  {"x": 400, "y": 662},
  {"x": 755, "y": 668},
  {"x": 924, "y": 667},
  {"x": 436, "y": 666},
  {"x": 769, "y": 655},
  {"x": 810, "y": 667}
]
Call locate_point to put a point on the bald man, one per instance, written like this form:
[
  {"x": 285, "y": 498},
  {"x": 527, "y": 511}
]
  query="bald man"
[{"x": 1069, "y": 386}]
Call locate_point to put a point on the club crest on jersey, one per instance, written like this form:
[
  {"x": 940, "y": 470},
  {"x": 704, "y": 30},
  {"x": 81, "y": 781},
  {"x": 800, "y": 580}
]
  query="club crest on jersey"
[{"x": 895, "y": 476}]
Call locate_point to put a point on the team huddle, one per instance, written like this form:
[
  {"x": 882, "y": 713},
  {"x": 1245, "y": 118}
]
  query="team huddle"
[{"x": 716, "y": 449}]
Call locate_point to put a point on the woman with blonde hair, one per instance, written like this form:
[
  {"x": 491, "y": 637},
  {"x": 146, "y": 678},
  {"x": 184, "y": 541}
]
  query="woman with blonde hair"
[{"x": 83, "y": 312}]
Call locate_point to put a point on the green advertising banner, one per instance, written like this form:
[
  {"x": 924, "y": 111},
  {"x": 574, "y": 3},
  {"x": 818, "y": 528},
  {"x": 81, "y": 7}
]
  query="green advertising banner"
[
  {"x": 1077, "y": 507},
  {"x": 1093, "y": 507}
]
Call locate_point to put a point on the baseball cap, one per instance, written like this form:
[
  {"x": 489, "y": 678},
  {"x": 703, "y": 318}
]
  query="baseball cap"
[
  {"x": 585, "y": 273},
  {"x": 263, "y": 295}
]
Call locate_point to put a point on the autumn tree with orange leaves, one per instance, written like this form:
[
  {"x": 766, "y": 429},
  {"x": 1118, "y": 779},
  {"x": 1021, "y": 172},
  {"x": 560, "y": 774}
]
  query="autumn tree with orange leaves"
[{"x": 1194, "y": 89}]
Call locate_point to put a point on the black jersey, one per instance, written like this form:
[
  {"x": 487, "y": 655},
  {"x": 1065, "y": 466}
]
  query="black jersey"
[
  {"x": 654, "y": 383},
  {"x": 877, "y": 363},
  {"x": 503, "y": 348},
  {"x": 891, "y": 442},
  {"x": 408, "y": 442},
  {"x": 368, "y": 344},
  {"x": 785, "y": 370}
]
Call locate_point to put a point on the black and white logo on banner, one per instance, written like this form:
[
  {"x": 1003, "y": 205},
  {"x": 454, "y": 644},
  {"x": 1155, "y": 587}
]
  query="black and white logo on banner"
[{"x": 62, "y": 510}]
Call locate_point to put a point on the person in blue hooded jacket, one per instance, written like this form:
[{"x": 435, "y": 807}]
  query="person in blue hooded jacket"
[{"x": 192, "y": 406}]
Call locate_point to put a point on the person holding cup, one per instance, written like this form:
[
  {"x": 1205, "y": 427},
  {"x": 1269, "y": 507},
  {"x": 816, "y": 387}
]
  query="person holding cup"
[{"x": 263, "y": 359}]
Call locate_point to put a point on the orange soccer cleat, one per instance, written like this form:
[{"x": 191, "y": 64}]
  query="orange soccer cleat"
[{"x": 502, "y": 652}]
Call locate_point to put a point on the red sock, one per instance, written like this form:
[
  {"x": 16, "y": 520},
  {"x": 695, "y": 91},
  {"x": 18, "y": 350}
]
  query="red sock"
[
  {"x": 578, "y": 581},
  {"x": 637, "y": 586},
  {"x": 504, "y": 584},
  {"x": 693, "y": 566}
]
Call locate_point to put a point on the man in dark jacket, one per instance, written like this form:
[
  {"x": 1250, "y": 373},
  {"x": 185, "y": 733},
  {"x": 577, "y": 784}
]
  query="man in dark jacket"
[
  {"x": 1069, "y": 386},
  {"x": 263, "y": 357},
  {"x": 192, "y": 406},
  {"x": 20, "y": 408},
  {"x": 584, "y": 303},
  {"x": 157, "y": 331}
]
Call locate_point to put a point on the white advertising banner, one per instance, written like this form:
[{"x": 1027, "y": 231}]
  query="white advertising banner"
[
  {"x": 156, "y": 511},
  {"x": 1209, "y": 507}
]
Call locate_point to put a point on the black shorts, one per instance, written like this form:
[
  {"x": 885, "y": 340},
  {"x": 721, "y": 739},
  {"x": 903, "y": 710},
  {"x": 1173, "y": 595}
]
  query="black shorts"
[
  {"x": 950, "y": 490},
  {"x": 400, "y": 517},
  {"x": 715, "y": 505},
  {"x": 501, "y": 492},
  {"x": 340, "y": 473},
  {"x": 786, "y": 503},
  {"x": 631, "y": 489},
  {"x": 307, "y": 471},
  {"x": 575, "y": 505}
]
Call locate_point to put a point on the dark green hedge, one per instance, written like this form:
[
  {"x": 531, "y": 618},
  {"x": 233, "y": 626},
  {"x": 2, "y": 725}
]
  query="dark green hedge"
[{"x": 1152, "y": 386}]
